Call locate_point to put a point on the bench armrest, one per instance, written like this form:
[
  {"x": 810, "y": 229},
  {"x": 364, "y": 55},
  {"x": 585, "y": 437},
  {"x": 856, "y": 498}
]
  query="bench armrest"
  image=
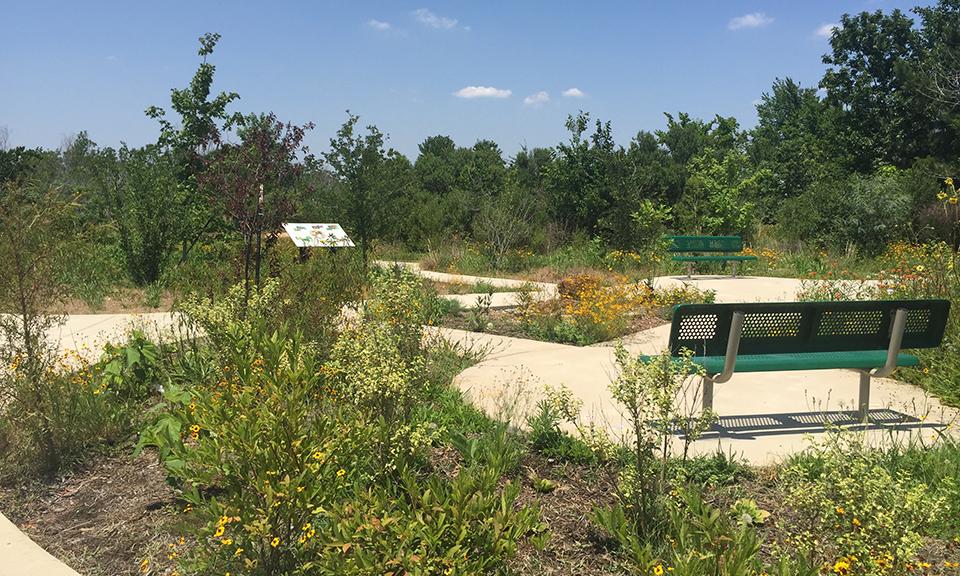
[
  {"x": 733, "y": 347},
  {"x": 896, "y": 340}
]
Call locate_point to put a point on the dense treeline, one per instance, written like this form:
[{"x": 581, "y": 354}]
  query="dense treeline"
[{"x": 855, "y": 163}]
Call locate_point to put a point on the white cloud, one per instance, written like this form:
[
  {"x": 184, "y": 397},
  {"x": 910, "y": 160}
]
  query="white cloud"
[
  {"x": 379, "y": 25},
  {"x": 537, "y": 99},
  {"x": 428, "y": 18},
  {"x": 574, "y": 93},
  {"x": 825, "y": 30},
  {"x": 482, "y": 92},
  {"x": 754, "y": 20}
]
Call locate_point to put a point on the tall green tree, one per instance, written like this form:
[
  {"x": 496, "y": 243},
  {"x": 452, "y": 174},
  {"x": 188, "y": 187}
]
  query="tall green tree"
[
  {"x": 872, "y": 57},
  {"x": 793, "y": 139},
  {"x": 203, "y": 120},
  {"x": 358, "y": 161},
  {"x": 143, "y": 200}
]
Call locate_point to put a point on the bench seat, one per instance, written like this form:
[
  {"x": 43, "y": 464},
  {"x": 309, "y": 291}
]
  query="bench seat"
[
  {"x": 855, "y": 359},
  {"x": 732, "y": 258}
]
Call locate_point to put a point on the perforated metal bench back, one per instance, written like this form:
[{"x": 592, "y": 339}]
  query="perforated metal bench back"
[
  {"x": 705, "y": 244},
  {"x": 796, "y": 327}
]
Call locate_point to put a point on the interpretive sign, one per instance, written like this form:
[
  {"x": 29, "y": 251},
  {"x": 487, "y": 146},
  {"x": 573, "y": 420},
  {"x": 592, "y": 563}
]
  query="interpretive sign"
[{"x": 306, "y": 235}]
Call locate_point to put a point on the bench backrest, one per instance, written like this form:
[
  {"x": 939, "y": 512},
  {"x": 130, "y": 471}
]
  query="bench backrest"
[
  {"x": 796, "y": 327},
  {"x": 705, "y": 244}
]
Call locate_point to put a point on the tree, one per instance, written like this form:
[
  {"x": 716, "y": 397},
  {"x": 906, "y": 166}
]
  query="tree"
[
  {"x": 504, "y": 221},
  {"x": 33, "y": 232},
  {"x": 202, "y": 123},
  {"x": 585, "y": 175},
  {"x": 871, "y": 59},
  {"x": 251, "y": 182},
  {"x": 794, "y": 140},
  {"x": 145, "y": 202},
  {"x": 358, "y": 163}
]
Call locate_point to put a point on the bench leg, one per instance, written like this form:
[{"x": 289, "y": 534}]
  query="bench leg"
[
  {"x": 863, "y": 409},
  {"x": 706, "y": 390},
  {"x": 735, "y": 264},
  {"x": 689, "y": 269}
]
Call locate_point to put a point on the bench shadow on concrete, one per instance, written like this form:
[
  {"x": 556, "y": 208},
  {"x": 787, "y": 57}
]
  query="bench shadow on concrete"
[{"x": 747, "y": 426}]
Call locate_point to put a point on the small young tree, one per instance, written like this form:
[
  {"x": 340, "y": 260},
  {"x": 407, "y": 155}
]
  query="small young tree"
[
  {"x": 252, "y": 181},
  {"x": 504, "y": 221},
  {"x": 358, "y": 163}
]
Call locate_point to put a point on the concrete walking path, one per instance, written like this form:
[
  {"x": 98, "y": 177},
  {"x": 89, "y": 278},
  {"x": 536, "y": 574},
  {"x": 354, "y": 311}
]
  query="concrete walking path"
[{"x": 21, "y": 556}]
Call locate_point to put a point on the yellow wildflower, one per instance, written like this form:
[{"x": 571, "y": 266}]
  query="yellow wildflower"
[{"x": 275, "y": 542}]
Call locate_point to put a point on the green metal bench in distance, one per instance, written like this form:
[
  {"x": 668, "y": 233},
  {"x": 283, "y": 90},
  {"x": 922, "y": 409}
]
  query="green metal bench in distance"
[
  {"x": 864, "y": 336},
  {"x": 692, "y": 249}
]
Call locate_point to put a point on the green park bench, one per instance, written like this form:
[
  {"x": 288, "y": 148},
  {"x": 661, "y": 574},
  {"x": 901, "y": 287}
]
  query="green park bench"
[
  {"x": 723, "y": 249},
  {"x": 864, "y": 336}
]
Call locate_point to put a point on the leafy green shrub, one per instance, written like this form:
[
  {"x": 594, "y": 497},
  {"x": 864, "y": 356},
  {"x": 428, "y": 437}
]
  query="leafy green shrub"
[
  {"x": 231, "y": 319},
  {"x": 702, "y": 540},
  {"x": 667, "y": 298},
  {"x": 868, "y": 212},
  {"x": 132, "y": 369},
  {"x": 651, "y": 391},
  {"x": 289, "y": 467},
  {"x": 55, "y": 417},
  {"x": 465, "y": 526},
  {"x": 260, "y": 458},
  {"x": 546, "y": 437},
  {"x": 852, "y": 506}
]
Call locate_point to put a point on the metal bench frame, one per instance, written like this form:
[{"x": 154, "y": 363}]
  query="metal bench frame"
[
  {"x": 714, "y": 244},
  {"x": 863, "y": 405},
  {"x": 893, "y": 339}
]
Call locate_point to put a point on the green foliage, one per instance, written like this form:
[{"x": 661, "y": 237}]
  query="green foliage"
[
  {"x": 132, "y": 370},
  {"x": 703, "y": 540},
  {"x": 867, "y": 212},
  {"x": 558, "y": 406},
  {"x": 853, "y": 505},
  {"x": 360, "y": 163},
  {"x": 465, "y": 526},
  {"x": 53, "y": 419},
  {"x": 478, "y": 317},
  {"x": 716, "y": 201},
  {"x": 146, "y": 204},
  {"x": 651, "y": 392}
]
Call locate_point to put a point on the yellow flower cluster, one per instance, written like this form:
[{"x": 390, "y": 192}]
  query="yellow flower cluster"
[
  {"x": 586, "y": 299},
  {"x": 950, "y": 195}
]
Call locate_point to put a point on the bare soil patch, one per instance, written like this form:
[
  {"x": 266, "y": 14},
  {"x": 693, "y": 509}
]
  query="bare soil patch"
[{"x": 102, "y": 520}]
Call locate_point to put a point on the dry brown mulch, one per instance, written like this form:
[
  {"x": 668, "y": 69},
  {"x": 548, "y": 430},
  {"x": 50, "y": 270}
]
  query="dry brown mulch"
[
  {"x": 575, "y": 546},
  {"x": 102, "y": 520}
]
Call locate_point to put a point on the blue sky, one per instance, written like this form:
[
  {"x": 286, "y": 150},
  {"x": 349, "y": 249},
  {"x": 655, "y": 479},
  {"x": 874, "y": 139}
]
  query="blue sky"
[{"x": 494, "y": 69}]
